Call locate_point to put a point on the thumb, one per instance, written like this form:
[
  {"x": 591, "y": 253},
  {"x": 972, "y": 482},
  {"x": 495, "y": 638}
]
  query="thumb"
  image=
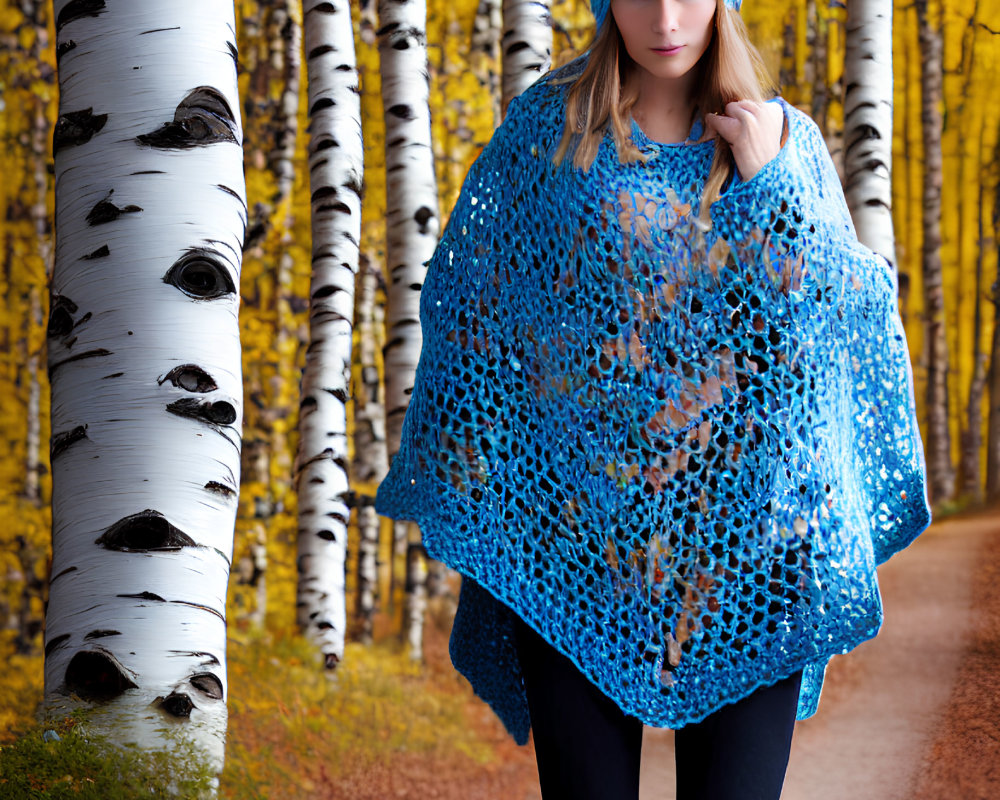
[{"x": 727, "y": 127}]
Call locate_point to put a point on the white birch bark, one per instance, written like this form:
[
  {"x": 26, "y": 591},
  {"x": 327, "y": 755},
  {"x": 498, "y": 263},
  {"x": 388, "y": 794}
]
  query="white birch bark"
[
  {"x": 144, "y": 359},
  {"x": 336, "y": 166},
  {"x": 38, "y": 12},
  {"x": 868, "y": 123},
  {"x": 370, "y": 460},
  {"x": 526, "y": 45},
  {"x": 484, "y": 50},
  {"x": 412, "y": 221},
  {"x": 940, "y": 472}
]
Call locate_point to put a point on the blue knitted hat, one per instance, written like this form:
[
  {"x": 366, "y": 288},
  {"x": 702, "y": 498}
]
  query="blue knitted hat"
[{"x": 600, "y": 8}]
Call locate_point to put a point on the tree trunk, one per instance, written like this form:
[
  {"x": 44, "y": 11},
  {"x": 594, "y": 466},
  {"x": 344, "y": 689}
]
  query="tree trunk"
[
  {"x": 336, "y": 166},
  {"x": 484, "y": 50},
  {"x": 144, "y": 361},
  {"x": 43, "y": 236},
  {"x": 412, "y": 220},
  {"x": 526, "y": 44},
  {"x": 281, "y": 397},
  {"x": 868, "y": 124},
  {"x": 370, "y": 460},
  {"x": 972, "y": 442},
  {"x": 940, "y": 473},
  {"x": 972, "y": 434},
  {"x": 993, "y": 417}
]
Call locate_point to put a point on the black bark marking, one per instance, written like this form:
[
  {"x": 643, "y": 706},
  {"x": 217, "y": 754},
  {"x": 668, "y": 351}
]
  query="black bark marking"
[
  {"x": 202, "y": 118},
  {"x": 177, "y": 705},
  {"x": 354, "y": 184},
  {"x": 97, "y": 676},
  {"x": 143, "y": 596},
  {"x": 101, "y": 252},
  {"x": 327, "y": 536},
  {"x": 56, "y": 643},
  {"x": 325, "y": 291},
  {"x": 209, "y": 659},
  {"x": 208, "y": 684},
  {"x": 200, "y": 606},
  {"x": 191, "y": 378},
  {"x": 100, "y": 634},
  {"x": 76, "y": 127},
  {"x": 64, "y": 48},
  {"x": 318, "y": 51},
  {"x": 220, "y": 488},
  {"x": 106, "y": 211},
  {"x": 79, "y": 357},
  {"x": 233, "y": 192},
  {"x": 149, "y": 172},
  {"x": 113, "y": 375},
  {"x": 331, "y": 660},
  {"x": 403, "y": 111},
  {"x": 234, "y": 53},
  {"x": 340, "y": 208},
  {"x": 422, "y": 217},
  {"x": 319, "y": 105},
  {"x": 324, "y": 8},
  {"x": 160, "y": 30},
  {"x": 61, "y": 442},
  {"x": 217, "y": 413},
  {"x": 61, "y": 311},
  {"x": 78, "y": 9},
  {"x": 64, "y": 572},
  {"x": 340, "y": 394},
  {"x": 144, "y": 532},
  {"x": 200, "y": 275}
]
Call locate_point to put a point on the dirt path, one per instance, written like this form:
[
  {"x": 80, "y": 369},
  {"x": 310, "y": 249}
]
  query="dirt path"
[
  {"x": 909, "y": 714},
  {"x": 912, "y": 715}
]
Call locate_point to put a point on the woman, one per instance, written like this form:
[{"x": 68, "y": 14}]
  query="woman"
[{"x": 663, "y": 420}]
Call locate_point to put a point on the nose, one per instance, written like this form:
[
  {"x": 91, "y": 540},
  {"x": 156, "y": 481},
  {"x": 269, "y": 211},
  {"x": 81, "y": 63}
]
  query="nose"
[{"x": 666, "y": 17}]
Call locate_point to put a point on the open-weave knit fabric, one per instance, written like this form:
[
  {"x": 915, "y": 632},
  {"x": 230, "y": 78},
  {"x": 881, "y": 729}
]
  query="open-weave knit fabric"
[{"x": 678, "y": 453}]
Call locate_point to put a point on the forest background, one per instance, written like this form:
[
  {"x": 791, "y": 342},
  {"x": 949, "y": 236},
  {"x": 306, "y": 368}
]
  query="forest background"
[{"x": 802, "y": 42}]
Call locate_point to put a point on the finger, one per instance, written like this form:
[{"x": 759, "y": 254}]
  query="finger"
[
  {"x": 751, "y": 106},
  {"x": 740, "y": 109},
  {"x": 725, "y": 126}
]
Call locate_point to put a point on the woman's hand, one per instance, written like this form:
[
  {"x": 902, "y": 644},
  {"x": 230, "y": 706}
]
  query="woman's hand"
[{"x": 753, "y": 131}]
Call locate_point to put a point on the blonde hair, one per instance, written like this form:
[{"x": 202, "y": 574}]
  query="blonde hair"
[{"x": 730, "y": 69}]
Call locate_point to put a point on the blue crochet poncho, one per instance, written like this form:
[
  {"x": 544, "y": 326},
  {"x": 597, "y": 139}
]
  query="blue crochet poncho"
[{"x": 676, "y": 451}]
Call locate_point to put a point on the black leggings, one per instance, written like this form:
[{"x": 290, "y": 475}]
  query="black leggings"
[{"x": 587, "y": 748}]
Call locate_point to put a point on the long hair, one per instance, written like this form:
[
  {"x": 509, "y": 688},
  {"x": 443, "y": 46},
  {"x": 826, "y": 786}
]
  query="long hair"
[{"x": 730, "y": 69}]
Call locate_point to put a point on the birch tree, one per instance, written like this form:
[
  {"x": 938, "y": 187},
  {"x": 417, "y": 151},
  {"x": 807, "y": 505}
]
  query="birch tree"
[
  {"x": 336, "y": 156},
  {"x": 412, "y": 225},
  {"x": 940, "y": 473},
  {"x": 526, "y": 45},
  {"x": 144, "y": 360},
  {"x": 37, "y": 12},
  {"x": 993, "y": 412},
  {"x": 370, "y": 460},
  {"x": 484, "y": 50},
  {"x": 868, "y": 124}
]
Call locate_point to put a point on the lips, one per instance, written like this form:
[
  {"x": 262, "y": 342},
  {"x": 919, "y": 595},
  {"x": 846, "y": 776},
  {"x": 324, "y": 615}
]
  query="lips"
[{"x": 668, "y": 50}]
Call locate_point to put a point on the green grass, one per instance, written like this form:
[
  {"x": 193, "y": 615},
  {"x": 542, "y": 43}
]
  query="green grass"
[{"x": 81, "y": 765}]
